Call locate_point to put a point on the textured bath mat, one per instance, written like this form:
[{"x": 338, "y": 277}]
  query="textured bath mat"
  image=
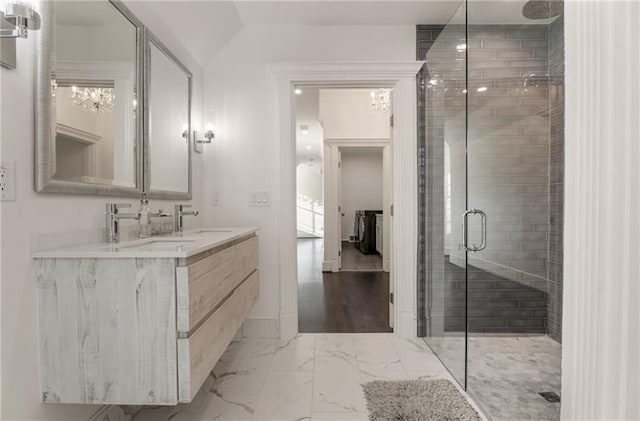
[{"x": 417, "y": 400}]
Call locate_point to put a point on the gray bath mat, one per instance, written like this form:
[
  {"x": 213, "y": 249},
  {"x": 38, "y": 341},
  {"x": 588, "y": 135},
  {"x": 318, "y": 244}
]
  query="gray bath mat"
[{"x": 417, "y": 400}]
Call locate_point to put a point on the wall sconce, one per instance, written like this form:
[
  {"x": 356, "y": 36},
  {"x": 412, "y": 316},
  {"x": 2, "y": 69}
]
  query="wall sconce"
[
  {"x": 15, "y": 23},
  {"x": 209, "y": 135}
]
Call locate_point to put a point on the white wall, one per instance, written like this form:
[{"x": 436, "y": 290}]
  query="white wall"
[
  {"x": 242, "y": 101},
  {"x": 361, "y": 184},
  {"x": 601, "y": 315},
  {"x": 46, "y": 213}
]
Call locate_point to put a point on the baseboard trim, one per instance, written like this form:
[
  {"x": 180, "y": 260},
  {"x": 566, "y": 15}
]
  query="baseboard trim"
[
  {"x": 260, "y": 327},
  {"x": 288, "y": 326},
  {"x": 326, "y": 266},
  {"x": 406, "y": 325}
]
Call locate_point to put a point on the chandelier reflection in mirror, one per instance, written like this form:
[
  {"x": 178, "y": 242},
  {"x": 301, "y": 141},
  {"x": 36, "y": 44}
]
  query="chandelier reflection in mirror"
[
  {"x": 381, "y": 100},
  {"x": 97, "y": 100}
]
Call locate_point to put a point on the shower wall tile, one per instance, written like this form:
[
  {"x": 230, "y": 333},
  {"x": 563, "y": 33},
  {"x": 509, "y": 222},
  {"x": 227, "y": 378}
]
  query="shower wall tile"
[{"x": 556, "y": 175}]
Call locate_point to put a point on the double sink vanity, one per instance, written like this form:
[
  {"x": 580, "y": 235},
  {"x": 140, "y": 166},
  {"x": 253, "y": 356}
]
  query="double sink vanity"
[
  {"x": 137, "y": 322},
  {"x": 144, "y": 321}
]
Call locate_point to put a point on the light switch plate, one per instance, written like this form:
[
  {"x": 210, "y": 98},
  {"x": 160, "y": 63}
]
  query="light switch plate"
[
  {"x": 8, "y": 181},
  {"x": 260, "y": 198}
]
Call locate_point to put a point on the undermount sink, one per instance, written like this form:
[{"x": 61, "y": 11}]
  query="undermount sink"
[
  {"x": 157, "y": 245},
  {"x": 206, "y": 231}
]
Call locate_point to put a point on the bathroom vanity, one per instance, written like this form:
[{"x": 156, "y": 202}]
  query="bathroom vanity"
[{"x": 141, "y": 322}]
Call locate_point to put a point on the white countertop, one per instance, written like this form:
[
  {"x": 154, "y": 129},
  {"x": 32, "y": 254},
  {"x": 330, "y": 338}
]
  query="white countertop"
[{"x": 178, "y": 245}]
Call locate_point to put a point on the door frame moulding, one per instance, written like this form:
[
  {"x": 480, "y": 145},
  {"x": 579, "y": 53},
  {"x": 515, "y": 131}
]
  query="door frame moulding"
[
  {"x": 401, "y": 76},
  {"x": 333, "y": 235}
]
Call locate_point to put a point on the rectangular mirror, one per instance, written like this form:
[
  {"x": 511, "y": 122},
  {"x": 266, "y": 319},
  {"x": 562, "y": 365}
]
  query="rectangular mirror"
[
  {"x": 168, "y": 124},
  {"x": 89, "y": 124}
]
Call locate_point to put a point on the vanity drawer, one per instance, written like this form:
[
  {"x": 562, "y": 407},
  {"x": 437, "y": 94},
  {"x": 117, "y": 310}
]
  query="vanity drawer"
[
  {"x": 206, "y": 281},
  {"x": 198, "y": 353}
]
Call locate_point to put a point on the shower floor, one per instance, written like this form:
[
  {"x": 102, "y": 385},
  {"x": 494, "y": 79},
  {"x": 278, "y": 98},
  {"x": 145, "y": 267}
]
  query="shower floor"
[{"x": 506, "y": 373}]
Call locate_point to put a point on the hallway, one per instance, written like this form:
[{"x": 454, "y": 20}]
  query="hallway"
[{"x": 341, "y": 302}]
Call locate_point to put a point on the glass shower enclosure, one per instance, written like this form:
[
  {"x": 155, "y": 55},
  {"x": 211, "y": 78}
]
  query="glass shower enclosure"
[{"x": 491, "y": 176}]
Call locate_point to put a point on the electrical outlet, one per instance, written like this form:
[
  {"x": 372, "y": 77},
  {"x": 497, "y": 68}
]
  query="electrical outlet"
[
  {"x": 260, "y": 198},
  {"x": 8, "y": 181},
  {"x": 216, "y": 198}
]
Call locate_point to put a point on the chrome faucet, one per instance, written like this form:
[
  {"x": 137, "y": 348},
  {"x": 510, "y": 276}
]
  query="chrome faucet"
[
  {"x": 113, "y": 217},
  {"x": 179, "y": 213}
]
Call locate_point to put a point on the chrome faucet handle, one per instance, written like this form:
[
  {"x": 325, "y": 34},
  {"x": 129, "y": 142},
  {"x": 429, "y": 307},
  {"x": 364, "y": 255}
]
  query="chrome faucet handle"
[
  {"x": 113, "y": 217},
  {"x": 114, "y": 207},
  {"x": 180, "y": 213}
]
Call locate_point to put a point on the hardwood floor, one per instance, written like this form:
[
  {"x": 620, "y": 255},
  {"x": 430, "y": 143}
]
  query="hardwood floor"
[{"x": 343, "y": 302}]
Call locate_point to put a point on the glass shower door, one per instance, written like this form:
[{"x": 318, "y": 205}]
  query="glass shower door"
[
  {"x": 514, "y": 118},
  {"x": 491, "y": 179},
  {"x": 444, "y": 92}
]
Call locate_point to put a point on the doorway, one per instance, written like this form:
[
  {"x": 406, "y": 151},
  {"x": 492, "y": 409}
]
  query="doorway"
[
  {"x": 343, "y": 182},
  {"x": 361, "y": 209},
  {"x": 401, "y": 77}
]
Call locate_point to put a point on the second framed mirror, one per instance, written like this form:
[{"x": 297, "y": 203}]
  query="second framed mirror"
[{"x": 167, "y": 141}]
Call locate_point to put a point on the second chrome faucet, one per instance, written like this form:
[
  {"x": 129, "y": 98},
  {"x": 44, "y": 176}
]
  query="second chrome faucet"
[{"x": 179, "y": 213}]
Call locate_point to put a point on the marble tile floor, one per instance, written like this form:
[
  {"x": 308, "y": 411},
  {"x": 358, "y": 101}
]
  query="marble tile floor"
[
  {"x": 506, "y": 373},
  {"x": 311, "y": 377}
]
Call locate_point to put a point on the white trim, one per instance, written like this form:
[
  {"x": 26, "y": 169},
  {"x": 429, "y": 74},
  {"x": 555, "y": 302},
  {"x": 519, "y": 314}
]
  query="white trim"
[
  {"x": 401, "y": 77},
  {"x": 94, "y": 70},
  {"x": 85, "y": 138},
  {"x": 260, "y": 327},
  {"x": 376, "y": 143},
  {"x": 601, "y": 316},
  {"x": 344, "y": 72},
  {"x": 80, "y": 136}
]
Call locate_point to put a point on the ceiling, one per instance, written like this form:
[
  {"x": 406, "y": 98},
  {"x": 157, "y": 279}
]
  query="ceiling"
[
  {"x": 205, "y": 26},
  {"x": 77, "y": 13},
  {"x": 345, "y": 12}
]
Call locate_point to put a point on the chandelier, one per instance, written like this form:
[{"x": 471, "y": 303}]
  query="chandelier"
[
  {"x": 93, "y": 99},
  {"x": 381, "y": 100}
]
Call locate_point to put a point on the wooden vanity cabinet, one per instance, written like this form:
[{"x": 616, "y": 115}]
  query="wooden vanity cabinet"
[{"x": 140, "y": 331}]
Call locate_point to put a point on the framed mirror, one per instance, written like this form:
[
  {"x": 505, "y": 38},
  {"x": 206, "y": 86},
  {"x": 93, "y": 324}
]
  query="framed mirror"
[
  {"x": 89, "y": 123},
  {"x": 167, "y": 141}
]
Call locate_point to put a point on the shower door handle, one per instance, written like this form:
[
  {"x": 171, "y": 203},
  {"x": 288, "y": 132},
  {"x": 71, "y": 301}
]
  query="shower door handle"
[{"x": 483, "y": 218}]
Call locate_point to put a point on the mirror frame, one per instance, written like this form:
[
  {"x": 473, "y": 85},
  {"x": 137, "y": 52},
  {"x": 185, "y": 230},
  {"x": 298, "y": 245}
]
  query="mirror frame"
[
  {"x": 44, "y": 137},
  {"x": 151, "y": 39}
]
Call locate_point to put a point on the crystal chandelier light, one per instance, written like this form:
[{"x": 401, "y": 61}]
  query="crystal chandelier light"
[
  {"x": 381, "y": 100},
  {"x": 93, "y": 99}
]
